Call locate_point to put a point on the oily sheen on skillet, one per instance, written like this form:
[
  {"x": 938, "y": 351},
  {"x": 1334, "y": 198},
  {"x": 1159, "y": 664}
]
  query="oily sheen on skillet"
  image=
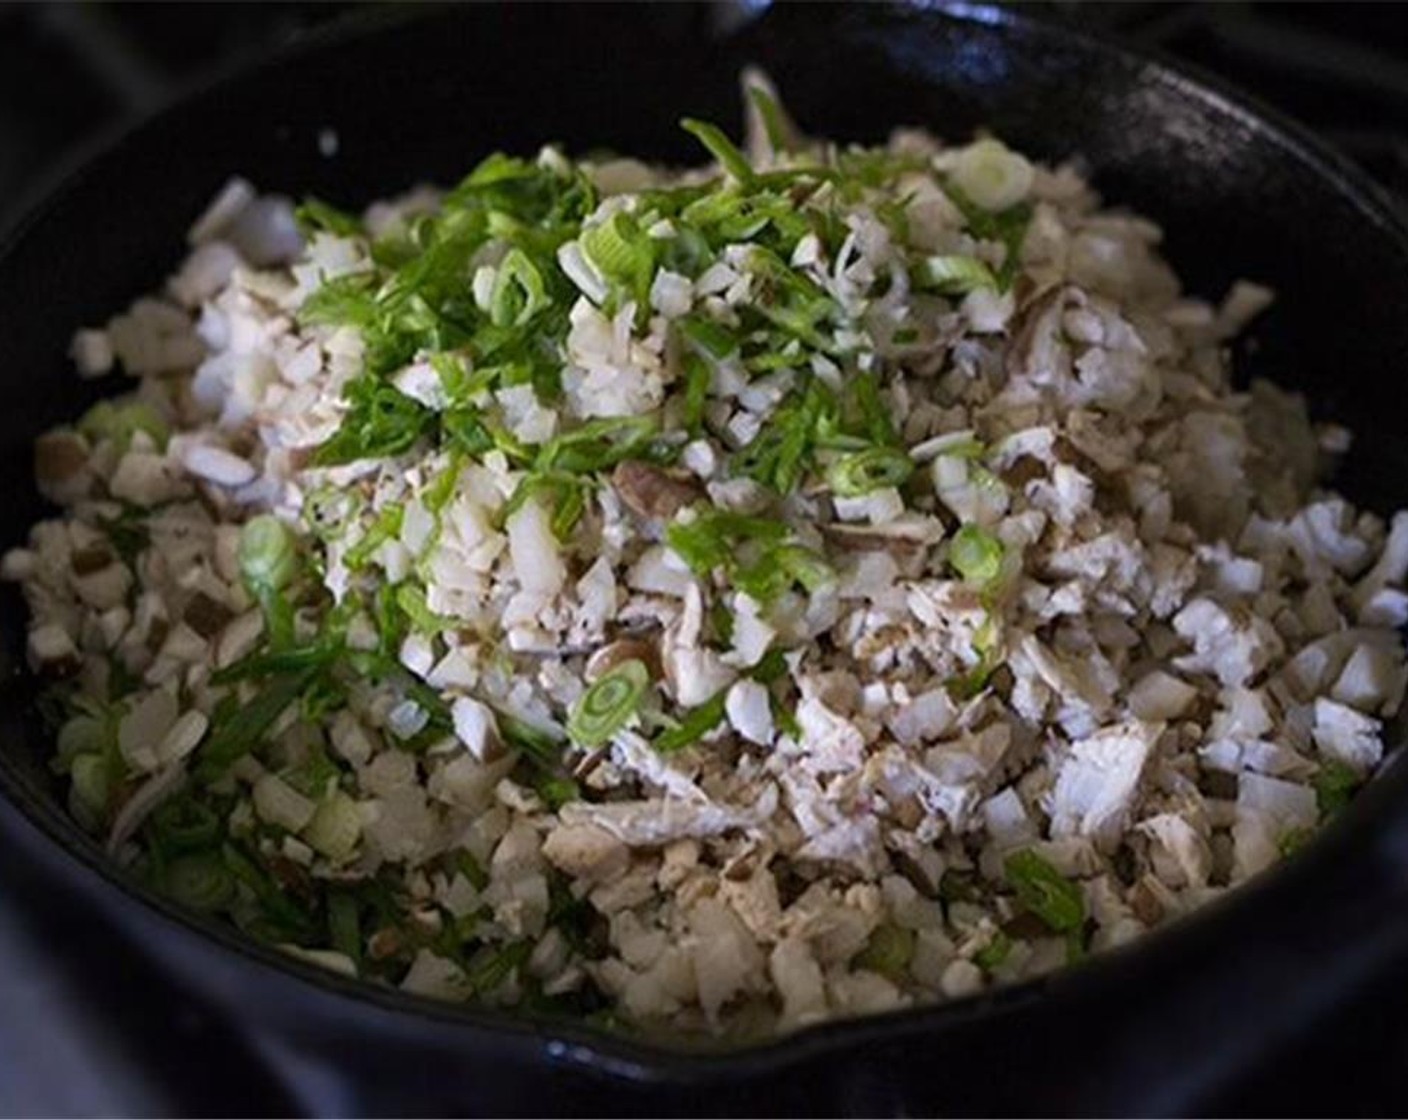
[{"x": 1237, "y": 196}]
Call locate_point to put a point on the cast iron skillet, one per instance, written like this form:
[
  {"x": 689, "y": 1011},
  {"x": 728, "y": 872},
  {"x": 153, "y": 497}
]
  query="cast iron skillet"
[{"x": 1239, "y": 192}]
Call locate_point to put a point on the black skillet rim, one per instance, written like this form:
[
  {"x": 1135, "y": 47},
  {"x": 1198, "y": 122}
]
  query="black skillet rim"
[{"x": 620, "y": 1055}]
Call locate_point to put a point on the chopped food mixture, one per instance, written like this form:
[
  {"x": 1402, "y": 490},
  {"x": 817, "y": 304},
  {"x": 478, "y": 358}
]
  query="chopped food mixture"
[{"x": 832, "y": 580}]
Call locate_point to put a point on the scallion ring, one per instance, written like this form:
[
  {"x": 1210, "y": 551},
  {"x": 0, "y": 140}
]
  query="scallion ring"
[
  {"x": 619, "y": 248},
  {"x": 200, "y": 881},
  {"x": 185, "y": 825},
  {"x": 976, "y": 554},
  {"x": 872, "y": 469},
  {"x": 92, "y": 782},
  {"x": 608, "y": 705},
  {"x": 268, "y": 554},
  {"x": 804, "y": 566}
]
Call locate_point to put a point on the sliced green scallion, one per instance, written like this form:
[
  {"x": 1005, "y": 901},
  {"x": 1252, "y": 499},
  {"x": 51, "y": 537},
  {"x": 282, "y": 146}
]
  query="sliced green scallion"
[
  {"x": 608, "y": 705},
  {"x": 268, "y": 554},
  {"x": 535, "y": 743},
  {"x": 875, "y": 416},
  {"x": 713, "y": 339},
  {"x": 92, "y": 783},
  {"x": 315, "y": 216},
  {"x": 82, "y": 734},
  {"x": 386, "y": 527},
  {"x": 976, "y": 554},
  {"x": 412, "y": 601},
  {"x": 693, "y": 725},
  {"x": 956, "y": 275},
  {"x": 992, "y": 175},
  {"x": 519, "y": 291},
  {"x": 803, "y": 566},
  {"x": 720, "y": 147},
  {"x": 623, "y": 253},
  {"x": 1333, "y": 783},
  {"x": 119, "y": 421},
  {"x": 698, "y": 378},
  {"x": 1045, "y": 891},
  {"x": 493, "y": 967},
  {"x": 700, "y": 720},
  {"x": 753, "y": 552},
  {"x": 888, "y": 951},
  {"x": 707, "y": 541},
  {"x": 183, "y": 824},
  {"x": 781, "y": 133},
  {"x": 597, "y": 445},
  {"x": 1293, "y": 840},
  {"x": 200, "y": 881},
  {"x": 563, "y": 493},
  {"x": 865, "y": 471},
  {"x": 555, "y": 791},
  {"x": 345, "y": 924},
  {"x": 268, "y": 560},
  {"x": 336, "y": 827},
  {"x": 380, "y": 422},
  {"x": 238, "y": 732},
  {"x": 994, "y": 953}
]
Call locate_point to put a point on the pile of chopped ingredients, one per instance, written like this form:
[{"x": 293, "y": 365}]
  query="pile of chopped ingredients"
[{"x": 834, "y": 580}]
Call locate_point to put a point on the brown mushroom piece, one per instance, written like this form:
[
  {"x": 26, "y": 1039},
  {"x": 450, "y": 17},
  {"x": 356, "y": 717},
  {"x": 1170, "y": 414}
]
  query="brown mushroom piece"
[
  {"x": 652, "y": 491},
  {"x": 157, "y": 634},
  {"x": 907, "y": 541},
  {"x": 620, "y": 651},
  {"x": 1218, "y": 784},
  {"x": 1025, "y": 926},
  {"x": 206, "y": 616},
  {"x": 1025, "y": 469},
  {"x": 92, "y": 558},
  {"x": 384, "y": 944},
  {"x": 60, "y": 464},
  {"x": 1144, "y": 901},
  {"x": 52, "y": 652}
]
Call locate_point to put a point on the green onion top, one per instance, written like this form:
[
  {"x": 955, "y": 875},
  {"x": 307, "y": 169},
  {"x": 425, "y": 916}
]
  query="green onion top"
[
  {"x": 199, "y": 881},
  {"x": 184, "y": 824},
  {"x": 119, "y": 421},
  {"x": 427, "y": 295},
  {"x": 754, "y": 554},
  {"x": 873, "y": 469},
  {"x": 1045, "y": 891},
  {"x": 693, "y": 725},
  {"x": 268, "y": 554},
  {"x": 994, "y": 953},
  {"x": 608, "y": 705},
  {"x": 1334, "y": 782},
  {"x": 92, "y": 782},
  {"x": 956, "y": 276},
  {"x": 720, "y": 147},
  {"x": 976, "y": 555},
  {"x": 316, "y": 216},
  {"x": 888, "y": 951}
]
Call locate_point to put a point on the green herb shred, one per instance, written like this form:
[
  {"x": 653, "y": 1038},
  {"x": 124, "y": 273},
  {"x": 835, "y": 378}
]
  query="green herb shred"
[{"x": 1044, "y": 891}]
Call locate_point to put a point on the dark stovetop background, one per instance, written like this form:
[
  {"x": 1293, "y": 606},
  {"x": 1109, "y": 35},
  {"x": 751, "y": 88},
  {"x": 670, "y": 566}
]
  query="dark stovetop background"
[{"x": 89, "y": 1025}]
